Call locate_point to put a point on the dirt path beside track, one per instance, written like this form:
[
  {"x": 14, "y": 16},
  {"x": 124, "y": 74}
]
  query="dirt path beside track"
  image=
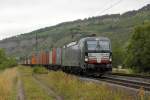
[
  {"x": 48, "y": 89},
  {"x": 20, "y": 89}
]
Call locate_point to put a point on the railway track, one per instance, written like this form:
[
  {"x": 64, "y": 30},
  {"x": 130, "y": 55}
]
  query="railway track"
[
  {"x": 136, "y": 83},
  {"x": 127, "y": 80},
  {"x": 132, "y": 75}
]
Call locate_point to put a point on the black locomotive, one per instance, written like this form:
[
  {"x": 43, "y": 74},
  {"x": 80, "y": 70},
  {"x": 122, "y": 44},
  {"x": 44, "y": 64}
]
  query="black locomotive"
[{"x": 89, "y": 55}]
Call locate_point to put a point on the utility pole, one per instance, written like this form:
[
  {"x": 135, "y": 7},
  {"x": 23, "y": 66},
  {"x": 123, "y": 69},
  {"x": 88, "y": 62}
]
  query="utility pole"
[{"x": 36, "y": 42}]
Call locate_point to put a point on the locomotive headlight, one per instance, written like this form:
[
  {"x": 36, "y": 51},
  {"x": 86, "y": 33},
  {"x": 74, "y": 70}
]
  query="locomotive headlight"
[
  {"x": 86, "y": 59},
  {"x": 110, "y": 59}
]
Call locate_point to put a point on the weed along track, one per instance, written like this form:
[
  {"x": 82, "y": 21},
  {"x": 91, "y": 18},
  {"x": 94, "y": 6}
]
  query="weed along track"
[
  {"x": 32, "y": 89},
  {"x": 41, "y": 84},
  {"x": 20, "y": 88},
  {"x": 135, "y": 85},
  {"x": 8, "y": 84},
  {"x": 47, "y": 88}
]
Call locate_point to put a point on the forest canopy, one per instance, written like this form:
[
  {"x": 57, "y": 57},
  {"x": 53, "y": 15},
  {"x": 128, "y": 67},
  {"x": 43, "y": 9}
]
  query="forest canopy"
[{"x": 139, "y": 49}]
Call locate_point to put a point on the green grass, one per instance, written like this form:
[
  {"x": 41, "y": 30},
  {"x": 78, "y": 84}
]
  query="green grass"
[
  {"x": 129, "y": 71},
  {"x": 40, "y": 70},
  {"x": 33, "y": 91},
  {"x": 8, "y": 80},
  {"x": 71, "y": 88},
  {"x": 124, "y": 71}
]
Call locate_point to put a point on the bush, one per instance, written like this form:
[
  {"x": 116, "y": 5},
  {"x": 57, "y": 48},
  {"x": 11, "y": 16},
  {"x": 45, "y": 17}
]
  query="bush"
[
  {"x": 40, "y": 70},
  {"x": 139, "y": 49},
  {"x": 6, "y": 62}
]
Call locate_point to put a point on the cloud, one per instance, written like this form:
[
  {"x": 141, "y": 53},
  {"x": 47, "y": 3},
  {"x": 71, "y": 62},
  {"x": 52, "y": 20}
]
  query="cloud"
[{"x": 20, "y": 16}]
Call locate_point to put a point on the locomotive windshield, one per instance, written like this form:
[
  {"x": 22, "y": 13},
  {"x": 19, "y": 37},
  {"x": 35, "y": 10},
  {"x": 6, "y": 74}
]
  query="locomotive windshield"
[
  {"x": 91, "y": 45},
  {"x": 98, "y": 45}
]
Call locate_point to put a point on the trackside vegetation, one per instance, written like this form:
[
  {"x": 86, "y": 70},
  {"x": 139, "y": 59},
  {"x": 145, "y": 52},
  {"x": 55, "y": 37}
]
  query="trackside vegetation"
[
  {"x": 40, "y": 70},
  {"x": 6, "y": 62},
  {"x": 32, "y": 90},
  {"x": 138, "y": 49},
  {"x": 51, "y": 85},
  {"x": 70, "y": 87},
  {"x": 8, "y": 84}
]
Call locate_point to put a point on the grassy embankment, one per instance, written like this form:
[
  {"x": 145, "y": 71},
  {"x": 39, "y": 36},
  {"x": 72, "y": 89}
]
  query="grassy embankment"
[
  {"x": 71, "y": 88},
  {"x": 8, "y": 84},
  {"x": 9, "y": 89},
  {"x": 67, "y": 86},
  {"x": 32, "y": 89}
]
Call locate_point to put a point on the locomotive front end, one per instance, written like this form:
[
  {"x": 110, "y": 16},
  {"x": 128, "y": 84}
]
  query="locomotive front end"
[{"x": 98, "y": 55}]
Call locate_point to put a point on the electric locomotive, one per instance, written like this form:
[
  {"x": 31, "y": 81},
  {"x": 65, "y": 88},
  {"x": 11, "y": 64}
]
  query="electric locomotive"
[{"x": 92, "y": 55}]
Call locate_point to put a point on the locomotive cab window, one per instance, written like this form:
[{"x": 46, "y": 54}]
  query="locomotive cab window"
[
  {"x": 91, "y": 45},
  {"x": 98, "y": 45},
  {"x": 104, "y": 45}
]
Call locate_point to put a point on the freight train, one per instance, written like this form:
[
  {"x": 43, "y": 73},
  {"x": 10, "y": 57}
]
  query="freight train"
[{"x": 90, "y": 55}]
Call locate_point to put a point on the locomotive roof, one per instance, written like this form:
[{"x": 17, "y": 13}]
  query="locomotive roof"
[
  {"x": 95, "y": 38},
  {"x": 89, "y": 38}
]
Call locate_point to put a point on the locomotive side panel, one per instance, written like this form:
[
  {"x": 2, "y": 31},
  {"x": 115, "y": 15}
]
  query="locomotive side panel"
[{"x": 71, "y": 57}]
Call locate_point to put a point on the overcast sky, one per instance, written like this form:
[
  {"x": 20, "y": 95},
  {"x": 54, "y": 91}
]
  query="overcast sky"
[{"x": 20, "y": 16}]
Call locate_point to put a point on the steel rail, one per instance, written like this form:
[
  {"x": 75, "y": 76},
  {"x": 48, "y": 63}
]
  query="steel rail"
[
  {"x": 132, "y": 75},
  {"x": 127, "y": 82}
]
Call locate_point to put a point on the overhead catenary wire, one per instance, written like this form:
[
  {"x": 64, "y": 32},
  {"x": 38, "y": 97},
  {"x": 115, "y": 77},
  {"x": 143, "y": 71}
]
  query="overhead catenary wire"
[{"x": 111, "y": 6}]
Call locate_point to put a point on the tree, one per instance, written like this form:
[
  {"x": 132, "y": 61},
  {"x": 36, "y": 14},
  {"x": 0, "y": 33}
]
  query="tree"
[
  {"x": 2, "y": 56},
  {"x": 118, "y": 56},
  {"x": 5, "y": 61},
  {"x": 139, "y": 49}
]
